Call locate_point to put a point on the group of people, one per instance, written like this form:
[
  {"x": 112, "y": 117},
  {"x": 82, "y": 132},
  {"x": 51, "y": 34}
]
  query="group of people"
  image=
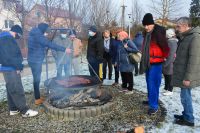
[{"x": 174, "y": 53}]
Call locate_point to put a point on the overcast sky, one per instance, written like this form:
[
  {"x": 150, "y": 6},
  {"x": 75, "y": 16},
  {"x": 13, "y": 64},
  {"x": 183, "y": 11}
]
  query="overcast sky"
[{"x": 146, "y": 4}]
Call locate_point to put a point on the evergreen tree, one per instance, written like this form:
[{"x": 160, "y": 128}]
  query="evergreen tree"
[{"x": 195, "y": 12}]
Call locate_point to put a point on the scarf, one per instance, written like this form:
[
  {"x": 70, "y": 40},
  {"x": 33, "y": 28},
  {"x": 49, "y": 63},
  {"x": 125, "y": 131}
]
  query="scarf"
[{"x": 145, "y": 61}]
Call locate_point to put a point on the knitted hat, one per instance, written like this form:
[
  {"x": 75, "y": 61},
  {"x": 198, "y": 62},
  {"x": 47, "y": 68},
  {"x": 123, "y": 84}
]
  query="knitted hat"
[
  {"x": 72, "y": 33},
  {"x": 44, "y": 27},
  {"x": 170, "y": 33},
  {"x": 148, "y": 19},
  {"x": 93, "y": 28},
  {"x": 123, "y": 34},
  {"x": 17, "y": 29}
]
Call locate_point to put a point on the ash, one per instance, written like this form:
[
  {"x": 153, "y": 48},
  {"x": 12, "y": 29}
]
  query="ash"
[{"x": 84, "y": 98}]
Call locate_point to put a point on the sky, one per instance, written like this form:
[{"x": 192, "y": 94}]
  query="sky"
[{"x": 146, "y": 4}]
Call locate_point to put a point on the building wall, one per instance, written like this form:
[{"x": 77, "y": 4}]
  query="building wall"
[{"x": 6, "y": 15}]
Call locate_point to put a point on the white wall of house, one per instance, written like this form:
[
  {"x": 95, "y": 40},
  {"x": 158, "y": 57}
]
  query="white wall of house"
[{"x": 7, "y": 17}]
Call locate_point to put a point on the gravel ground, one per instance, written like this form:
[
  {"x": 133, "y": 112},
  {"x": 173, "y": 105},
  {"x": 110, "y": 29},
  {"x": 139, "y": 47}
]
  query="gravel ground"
[{"x": 128, "y": 112}]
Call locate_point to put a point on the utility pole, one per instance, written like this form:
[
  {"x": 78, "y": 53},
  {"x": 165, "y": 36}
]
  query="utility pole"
[
  {"x": 129, "y": 23},
  {"x": 123, "y": 15}
]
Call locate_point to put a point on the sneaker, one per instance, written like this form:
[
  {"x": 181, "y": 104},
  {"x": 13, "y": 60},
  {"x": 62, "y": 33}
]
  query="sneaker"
[
  {"x": 123, "y": 90},
  {"x": 39, "y": 101},
  {"x": 14, "y": 112},
  {"x": 183, "y": 122},
  {"x": 168, "y": 93},
  {"x": 114, "y": 84},
  {"x": 145, "y": 102},
  {"x": 129, "y": 92},
  {"x": 30, "y": 113},
  {"x": 152, "y": 111},
  {"x": 180, "y": 117}
]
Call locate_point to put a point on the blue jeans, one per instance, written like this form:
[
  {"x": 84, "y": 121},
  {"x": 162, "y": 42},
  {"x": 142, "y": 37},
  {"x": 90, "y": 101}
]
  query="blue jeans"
[
  {"x": 153, "y": 79},
  {"x": 36, "y": 69},
  {"x": 186, "y": 101}
]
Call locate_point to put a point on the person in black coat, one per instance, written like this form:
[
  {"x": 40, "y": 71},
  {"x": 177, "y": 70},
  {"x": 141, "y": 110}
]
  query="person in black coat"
[{"x": 95, "y": 52}]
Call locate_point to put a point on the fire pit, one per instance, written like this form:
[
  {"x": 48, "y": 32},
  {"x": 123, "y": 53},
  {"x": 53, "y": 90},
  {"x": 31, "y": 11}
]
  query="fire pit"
[{"x": 78, "y": 96}]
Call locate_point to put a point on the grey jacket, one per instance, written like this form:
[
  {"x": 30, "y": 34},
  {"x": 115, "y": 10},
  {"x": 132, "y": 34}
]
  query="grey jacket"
[
  {"x": 168, "y": 64},
  {"x": 59, "y": 54},
  {"x": 187, "y": 62}
]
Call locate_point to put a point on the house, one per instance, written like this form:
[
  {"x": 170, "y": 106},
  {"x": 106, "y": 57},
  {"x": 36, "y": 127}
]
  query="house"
[
  {"x": 57, "y": 18},
  {"x": 165, "y": 22},
  {"x": 7, "y": 14}
]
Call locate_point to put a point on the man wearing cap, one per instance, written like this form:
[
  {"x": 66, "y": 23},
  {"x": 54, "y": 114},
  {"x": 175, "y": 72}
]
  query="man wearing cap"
[
  {"x": 95, "y": 52},
  {"x": 11, "y": 66},
  {"x": 63, "y": 62},
  {"x": 154, "y": 51},
  {"x": 37, "y": 44},
  {"x": 77, "y": 47}
]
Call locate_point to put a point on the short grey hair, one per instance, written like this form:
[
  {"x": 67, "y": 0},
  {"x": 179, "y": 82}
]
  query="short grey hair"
[{"x": 184, "y": 20}]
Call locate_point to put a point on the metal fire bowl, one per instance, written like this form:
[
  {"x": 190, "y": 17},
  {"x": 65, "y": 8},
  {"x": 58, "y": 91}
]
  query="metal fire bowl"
[{"x": 51, "y": 83}]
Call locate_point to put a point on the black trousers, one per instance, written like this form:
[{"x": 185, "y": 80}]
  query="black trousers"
[
  {"x": 168, "y": 82},
  {"x": 116, "y": 74},
  {"x": 15, "y": 92},
  {"x": 36, "y": 69},
  {"x": 107, "y": 61},
  {"x": 136, "y": 68},
  {"x": 127, "y": 80}
]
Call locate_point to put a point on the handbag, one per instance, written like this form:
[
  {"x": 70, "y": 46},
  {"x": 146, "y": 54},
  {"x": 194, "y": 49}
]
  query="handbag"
[{"x": 135, "y": 57}]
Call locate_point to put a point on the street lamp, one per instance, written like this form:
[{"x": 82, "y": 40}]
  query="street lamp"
[{"x": 129, "y": 29}]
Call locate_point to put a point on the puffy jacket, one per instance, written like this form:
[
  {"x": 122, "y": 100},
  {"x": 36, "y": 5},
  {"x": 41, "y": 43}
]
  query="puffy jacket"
[
  {"x": 123, "y": 63},
  {"x": 138, "y": 40},
  {"x": 187, "y": 62},
  {"x": 37, "y": 44},
  {"x": 10, "y": 54},
  {"x": 95, "y": 47},
  {"x": 156, "y": 53}
]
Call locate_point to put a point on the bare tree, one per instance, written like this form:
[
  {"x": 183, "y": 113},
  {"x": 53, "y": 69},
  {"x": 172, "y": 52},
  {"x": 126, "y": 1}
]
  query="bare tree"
[
  {"x": 52, "y": 10},
  {"x": 102, "y": 12},
  {"x": 166, "y": 8},
  {"x": 136, "y": 12},
  {"x": 77, "y": 12}
]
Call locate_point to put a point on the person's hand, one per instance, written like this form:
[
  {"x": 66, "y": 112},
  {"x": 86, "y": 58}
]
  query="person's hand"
[
  {"x": 186, "y": 82},
  {"x": 18, "y": 71},
  {"x": 68, "y": 50},
  {"x": 126, "y": 45}
]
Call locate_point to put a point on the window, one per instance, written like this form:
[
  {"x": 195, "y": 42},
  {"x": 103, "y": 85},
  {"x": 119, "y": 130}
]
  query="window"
[
  {"x": 9, "y": 23},
  {"x": 7, "y": 4}
]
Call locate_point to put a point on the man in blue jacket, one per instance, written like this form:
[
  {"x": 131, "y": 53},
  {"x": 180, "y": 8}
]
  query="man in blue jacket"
[
  {"x": 37, "y": 44},
  {"x": 11, "y": 66}
]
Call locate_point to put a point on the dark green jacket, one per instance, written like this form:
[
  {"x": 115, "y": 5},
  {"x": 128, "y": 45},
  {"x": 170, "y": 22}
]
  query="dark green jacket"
[{"x": 187, "y": 62}]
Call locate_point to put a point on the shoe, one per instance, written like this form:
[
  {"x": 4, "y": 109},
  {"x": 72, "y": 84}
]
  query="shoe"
[
  {"x": 129, "y": 92},
  {"x": 123, "y": 90},
  {"x": 30, "y": 113},
  {"x": 39, "y": 101},
  {"x": 183, "y": 122},
  {"x": 14, "y": 112},
  {"x": 152, "y": 111},
  {"x": 145, "y": 102},
  {"x": 168, "y": 93},
  {"x": 114, "y": 84},
  {"x": 180, "y": 117},
  {"x": 42, "y": 98},
  {"x": 136, "y": 74}
]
